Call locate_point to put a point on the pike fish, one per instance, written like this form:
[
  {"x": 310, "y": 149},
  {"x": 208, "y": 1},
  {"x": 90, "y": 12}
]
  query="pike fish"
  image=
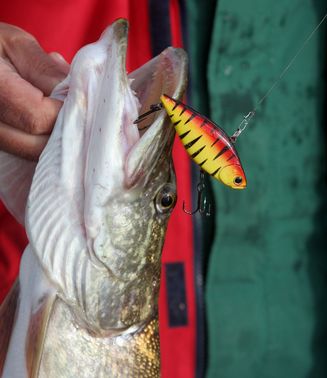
[{"x": 95, "y": 208}]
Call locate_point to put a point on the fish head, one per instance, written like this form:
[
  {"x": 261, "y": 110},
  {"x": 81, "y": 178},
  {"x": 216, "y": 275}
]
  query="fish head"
[
  {"x": 233, "y": 176},
  {"x": 129, "y": 179},
  {"x": 104, "y": 187}
]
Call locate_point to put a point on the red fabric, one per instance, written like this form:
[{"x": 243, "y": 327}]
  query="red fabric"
[
  {"x": 12, "y": 243},
  {"x": 65, "y": 27},
  {"x": 178, "y": 343}
]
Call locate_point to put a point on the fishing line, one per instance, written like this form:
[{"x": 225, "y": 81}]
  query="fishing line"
[{"x": 242, "y": 126}]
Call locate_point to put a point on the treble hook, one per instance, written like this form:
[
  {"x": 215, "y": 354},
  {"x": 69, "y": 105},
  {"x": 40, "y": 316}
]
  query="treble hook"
[{"x": 202, "y": 200}]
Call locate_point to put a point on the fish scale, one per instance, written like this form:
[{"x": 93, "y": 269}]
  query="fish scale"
[{"x": 206, "y": 143}]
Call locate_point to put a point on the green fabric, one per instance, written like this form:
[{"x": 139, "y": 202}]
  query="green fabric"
[{"x": 266, "y": 286}]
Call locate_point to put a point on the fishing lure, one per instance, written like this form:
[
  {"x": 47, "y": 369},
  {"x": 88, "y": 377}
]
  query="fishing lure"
[{"x": 204, "y": 141}]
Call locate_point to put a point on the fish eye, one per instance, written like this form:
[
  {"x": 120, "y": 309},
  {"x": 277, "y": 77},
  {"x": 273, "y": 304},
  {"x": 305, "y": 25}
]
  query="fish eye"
[
  {"x": 238, "y": 180},
  {"x": 165, "y": 199}
]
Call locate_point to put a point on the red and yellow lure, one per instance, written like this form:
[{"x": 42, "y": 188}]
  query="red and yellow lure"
[{"x": 206, "y": 143}]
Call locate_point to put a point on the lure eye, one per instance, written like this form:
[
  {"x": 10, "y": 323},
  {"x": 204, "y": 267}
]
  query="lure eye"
[
  {"x": 165, "y": 199},
  {"x": 238, "y": 180}
]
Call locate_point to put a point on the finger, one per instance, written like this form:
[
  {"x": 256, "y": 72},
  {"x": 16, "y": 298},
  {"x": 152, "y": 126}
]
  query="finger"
[
  {"x": 37, "y": 67},
  {"x": 23, "y": 106},
  {"x": 31, "y": 61},
  {"x": 58, "y": 58},
  {"x": 21, "y": 144}
]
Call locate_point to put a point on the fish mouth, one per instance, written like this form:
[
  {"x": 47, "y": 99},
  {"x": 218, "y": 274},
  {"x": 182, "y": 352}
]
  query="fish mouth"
[
  {"x": 166, "y": 73},
  {"x": 100, "y": 139},
  {"x": 130, "y": 152}
]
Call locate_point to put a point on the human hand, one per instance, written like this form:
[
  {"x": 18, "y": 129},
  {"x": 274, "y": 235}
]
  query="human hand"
[{"x": 27, "y": 76}]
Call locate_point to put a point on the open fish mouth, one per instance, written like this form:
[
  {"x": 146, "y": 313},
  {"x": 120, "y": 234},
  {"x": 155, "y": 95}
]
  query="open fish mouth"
[
  {"x": 112, "y": 100},
  {"x": 166, "y": 73},
  {"x": 101, "y": 147}
]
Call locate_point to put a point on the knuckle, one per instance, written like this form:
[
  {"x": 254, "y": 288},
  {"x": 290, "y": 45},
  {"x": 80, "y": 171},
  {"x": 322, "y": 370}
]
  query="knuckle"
[
  {"x": 38, "y": 126},
  {"x": 35, "y": 124},
  {"x": 17, "y": 37}
]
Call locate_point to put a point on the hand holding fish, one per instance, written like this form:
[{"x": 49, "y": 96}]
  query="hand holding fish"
[{"x": 27, "y": 76}]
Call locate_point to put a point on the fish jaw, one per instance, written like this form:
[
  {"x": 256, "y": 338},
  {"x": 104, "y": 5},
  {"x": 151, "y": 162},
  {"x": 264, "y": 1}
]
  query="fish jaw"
[
  {"x": 112, "y": 132},
  {"x": 103, "y": 191},
  {"x": 120, "y": 153},
  {"x": 168, "y": 73},
  {"x": 126, "y": 168},
  {"x": 133, "y": 191}
]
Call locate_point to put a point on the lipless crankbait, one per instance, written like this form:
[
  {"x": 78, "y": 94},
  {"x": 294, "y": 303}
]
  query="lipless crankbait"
[{"x": 206, "y": 143}]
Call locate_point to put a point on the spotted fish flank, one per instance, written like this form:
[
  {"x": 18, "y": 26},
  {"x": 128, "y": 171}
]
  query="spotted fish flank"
[{"x": 206, "y": 143}]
